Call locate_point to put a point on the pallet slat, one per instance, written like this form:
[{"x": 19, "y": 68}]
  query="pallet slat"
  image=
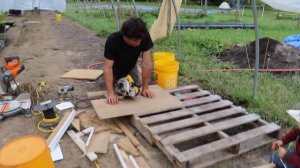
[
  {"x": 199, "y": 93},
  {"x": 201, "y": 100},
  {"x": 222, "y": 113},
  {"x": 198, "y": 132},
  {"x": 183, "y": 88},
  {"x": 184, "y": 112},
  {"x": 225, "y": 143},
  {"x": 165, "y": 116},
  {"x": 223, "y": 155},
  {"x": 170, "y": 126},
  {"x": 175, "y": 125},
  {"x": 210, "y": 106},
  {"x": 135, "y": 120}
]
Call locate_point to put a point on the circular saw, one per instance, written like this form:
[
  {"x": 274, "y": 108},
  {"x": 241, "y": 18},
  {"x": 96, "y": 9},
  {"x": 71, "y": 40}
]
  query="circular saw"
[{"x": 127, "y": 88}]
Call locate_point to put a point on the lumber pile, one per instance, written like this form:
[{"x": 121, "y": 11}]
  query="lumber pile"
[{"x": 102, "y": 134}]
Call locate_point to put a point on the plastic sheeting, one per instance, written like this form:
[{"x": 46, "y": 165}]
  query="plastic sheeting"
[
  {"x": 293, "y": 40},
  {"x": 284, "y": 5},
  {"x": 224, "y": 5},
  {"x": 52, "y": 5}
]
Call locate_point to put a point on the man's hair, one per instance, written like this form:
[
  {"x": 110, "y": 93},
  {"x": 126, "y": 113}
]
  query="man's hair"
[{"x": 134, "y": 28}]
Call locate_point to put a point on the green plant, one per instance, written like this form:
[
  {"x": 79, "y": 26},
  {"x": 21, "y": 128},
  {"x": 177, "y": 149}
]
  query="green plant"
[
  {"x": 2, "y": 25},
  {"x": 2, "y": 17}
]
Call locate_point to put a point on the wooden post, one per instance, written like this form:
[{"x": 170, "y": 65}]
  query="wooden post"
[
  {"x": 205, "y": 7},
  {"x": 169, "y": 17},
  {"x": 238, "y": 9},
  {"x": 119, "y": 9}
]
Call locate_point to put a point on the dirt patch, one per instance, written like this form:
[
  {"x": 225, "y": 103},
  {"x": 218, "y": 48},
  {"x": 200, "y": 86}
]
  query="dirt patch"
[
  {"x": 272, "y": 55},
  {"x": 49, "y": 49}
]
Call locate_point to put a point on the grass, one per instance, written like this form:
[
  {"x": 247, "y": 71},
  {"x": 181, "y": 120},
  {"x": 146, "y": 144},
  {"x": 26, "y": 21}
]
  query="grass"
[
  {"x": 199, "y": 51},
  {"x": 2, "y": 17}
]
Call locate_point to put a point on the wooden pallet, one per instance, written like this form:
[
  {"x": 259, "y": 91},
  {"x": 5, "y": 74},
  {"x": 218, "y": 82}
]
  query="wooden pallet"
[{"x": 207, "y": 131}]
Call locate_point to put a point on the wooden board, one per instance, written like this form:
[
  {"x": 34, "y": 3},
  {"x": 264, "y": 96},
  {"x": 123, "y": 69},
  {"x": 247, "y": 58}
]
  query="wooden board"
[
  {"x": 76, "y": 124},
  {"x": 90, "y": 119},
  {"x": 207, "y": 161},
  {"x": 60, "y": 130},
  {"x": 127, "y": 146},
  {"x": 142, "y": 162},
  {"x": 226, "y": 142},
  {"x": 89, "y": 74},
  {"x": 163, "y": 101},
  {"x": 96, "y": 94},
  {"x": 133, "y": 139},
  {"x": 91, "y": 155},
  {"x": 198, "y": 132},
  {"x": 99, "y": 142},
  {"x": 126, "y": 159}
]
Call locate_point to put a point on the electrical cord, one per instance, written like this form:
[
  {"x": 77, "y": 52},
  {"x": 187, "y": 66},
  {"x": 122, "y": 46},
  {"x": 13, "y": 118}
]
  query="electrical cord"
[
  {"x": 81, "y": 101},
  {"x": 37, "y": 95},
  {"x": 96, "y": 164},
  {"x": 37, "y": 123},
  {"x": 75, "y": 100}
]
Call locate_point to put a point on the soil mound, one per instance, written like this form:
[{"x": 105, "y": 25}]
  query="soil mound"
[{"x": 272, "y": 55}]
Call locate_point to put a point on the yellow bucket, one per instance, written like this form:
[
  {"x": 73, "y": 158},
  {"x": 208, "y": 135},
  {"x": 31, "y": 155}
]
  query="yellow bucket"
[
  {"x": 166, "y": 73},
  {"x": 26, "y": 152},
  {"x": 58, "y": 17},
  {"x": 163, "y": 56}
]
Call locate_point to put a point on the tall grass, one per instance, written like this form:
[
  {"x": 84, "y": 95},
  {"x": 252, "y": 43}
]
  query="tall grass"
[
  {"x": 2, "y": 17},
  {"x": 200, "y": 48}
]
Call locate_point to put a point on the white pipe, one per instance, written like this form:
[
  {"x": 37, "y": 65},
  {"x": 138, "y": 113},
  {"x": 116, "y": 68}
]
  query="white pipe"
[
  {"x": 90, "y": 136},
  {"x": 122, "y": 162},
  {"x": 133, "y": 162}
]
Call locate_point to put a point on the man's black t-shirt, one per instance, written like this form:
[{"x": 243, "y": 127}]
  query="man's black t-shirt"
[{"x": 125, "y": 57}]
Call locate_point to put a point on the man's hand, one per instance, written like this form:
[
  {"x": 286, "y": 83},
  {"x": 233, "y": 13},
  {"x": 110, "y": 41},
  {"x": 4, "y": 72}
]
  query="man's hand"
[
  {"x": 281, "y": 152},
  {"x": 112, "y": 98},
  {"x": 277, "y": 144},
  {"x": 147, "y": 93}
]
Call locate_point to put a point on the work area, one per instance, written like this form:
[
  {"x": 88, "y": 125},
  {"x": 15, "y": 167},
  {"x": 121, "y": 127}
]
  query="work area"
[{"x": 89, "y": 84}]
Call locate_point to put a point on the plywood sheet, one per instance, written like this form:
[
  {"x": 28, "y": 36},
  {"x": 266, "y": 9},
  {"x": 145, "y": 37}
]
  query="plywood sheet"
[
  {"x": 89, "y": 74},
  {"x": 140, "y": 105}
]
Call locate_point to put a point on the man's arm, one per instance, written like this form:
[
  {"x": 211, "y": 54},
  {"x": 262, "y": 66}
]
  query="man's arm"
[
  {"x": 108, "y": 79},
  {"x": 146, "y": 71}
]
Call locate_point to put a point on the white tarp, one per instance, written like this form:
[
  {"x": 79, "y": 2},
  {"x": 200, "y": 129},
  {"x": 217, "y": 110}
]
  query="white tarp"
[
  {"x": 224, "y": 5},
  {"x": 284, "y": 5},
  {"x": 52, "y": 5}
]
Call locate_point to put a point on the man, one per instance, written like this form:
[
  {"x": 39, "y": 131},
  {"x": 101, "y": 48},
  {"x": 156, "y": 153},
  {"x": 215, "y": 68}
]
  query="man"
[
  {"x": 122, "y": 50},
  {"x": 287, "y": 158}
]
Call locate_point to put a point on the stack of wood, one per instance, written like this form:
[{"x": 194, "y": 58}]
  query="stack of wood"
[{"x": 104, "y": 133}]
